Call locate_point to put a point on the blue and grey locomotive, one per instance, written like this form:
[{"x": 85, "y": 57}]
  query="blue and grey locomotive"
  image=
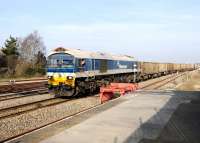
[{"x": 73, "y": 71}]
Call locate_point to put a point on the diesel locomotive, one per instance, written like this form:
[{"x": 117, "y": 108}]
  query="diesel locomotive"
[{"x": 73, "y": 71}]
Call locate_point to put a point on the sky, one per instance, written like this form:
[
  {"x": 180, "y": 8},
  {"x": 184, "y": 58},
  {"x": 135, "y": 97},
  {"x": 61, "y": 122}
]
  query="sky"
[{"x": 150, "y": 30}]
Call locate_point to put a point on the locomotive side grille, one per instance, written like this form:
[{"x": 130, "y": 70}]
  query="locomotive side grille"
[{"x": 103, "y": 66}]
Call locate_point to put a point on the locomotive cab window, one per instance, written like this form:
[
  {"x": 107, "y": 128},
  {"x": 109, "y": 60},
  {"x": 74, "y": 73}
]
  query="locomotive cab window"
[
  {"x": 81, "y": 64},
  {"x": 60, "y": 60}
]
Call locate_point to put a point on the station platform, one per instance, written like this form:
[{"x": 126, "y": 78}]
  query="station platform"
[{"x": 142, "y": 117}]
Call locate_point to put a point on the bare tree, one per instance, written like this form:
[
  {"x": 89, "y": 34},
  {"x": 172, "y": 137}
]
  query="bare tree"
[
  {"x": 30, "y": 46},
  {"x": 32, "y": 54}
]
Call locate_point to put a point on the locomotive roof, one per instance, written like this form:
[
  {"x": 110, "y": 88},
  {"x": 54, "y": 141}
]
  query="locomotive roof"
[{"x": 92, "y": 55}]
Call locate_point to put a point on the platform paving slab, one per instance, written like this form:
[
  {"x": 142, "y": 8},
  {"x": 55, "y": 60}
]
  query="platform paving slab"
[{"x": 140, "y": 116}]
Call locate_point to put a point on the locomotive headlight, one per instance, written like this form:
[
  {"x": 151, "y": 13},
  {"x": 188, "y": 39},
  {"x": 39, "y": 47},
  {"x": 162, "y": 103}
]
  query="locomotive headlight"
[
  {"x": 50, "y": 77},
  {"x": 70, "y": 77}
]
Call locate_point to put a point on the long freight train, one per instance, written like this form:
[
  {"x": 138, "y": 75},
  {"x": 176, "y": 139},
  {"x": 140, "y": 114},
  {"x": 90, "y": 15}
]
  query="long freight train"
[{"x": 72, "y": 71}]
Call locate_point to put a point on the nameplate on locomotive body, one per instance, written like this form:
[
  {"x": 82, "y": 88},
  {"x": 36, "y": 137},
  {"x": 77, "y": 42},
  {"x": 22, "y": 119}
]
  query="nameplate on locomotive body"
[{"x": 120, "y": 66}]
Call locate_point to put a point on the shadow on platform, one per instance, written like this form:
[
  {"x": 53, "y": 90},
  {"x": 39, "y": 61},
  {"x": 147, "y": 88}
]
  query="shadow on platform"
[{"x": 182, "y": 127}]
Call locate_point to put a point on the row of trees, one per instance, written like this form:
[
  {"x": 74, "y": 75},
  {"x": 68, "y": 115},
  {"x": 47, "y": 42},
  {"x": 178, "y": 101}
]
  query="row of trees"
[{"x": 23, "y": 56}]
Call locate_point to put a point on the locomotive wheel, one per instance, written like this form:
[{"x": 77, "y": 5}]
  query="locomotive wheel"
[{"x": 76, "y": 93}]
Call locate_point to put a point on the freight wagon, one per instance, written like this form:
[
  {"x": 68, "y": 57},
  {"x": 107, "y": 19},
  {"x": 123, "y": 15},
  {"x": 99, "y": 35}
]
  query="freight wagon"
[{"x": 148, "y": 70}]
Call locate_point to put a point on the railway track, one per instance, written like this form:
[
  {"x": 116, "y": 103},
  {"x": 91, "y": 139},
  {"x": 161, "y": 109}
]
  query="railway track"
[
  {"x": 160, "y": 83},
  {"x": 16, "y": 95},
  {"x": 43, "y": 90},
  {"x": 36, "y": 87},
  {"x": 24, "y": 108},
  {"x": 22, "y": 86},
  {"x": 22, "y": 81}
]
